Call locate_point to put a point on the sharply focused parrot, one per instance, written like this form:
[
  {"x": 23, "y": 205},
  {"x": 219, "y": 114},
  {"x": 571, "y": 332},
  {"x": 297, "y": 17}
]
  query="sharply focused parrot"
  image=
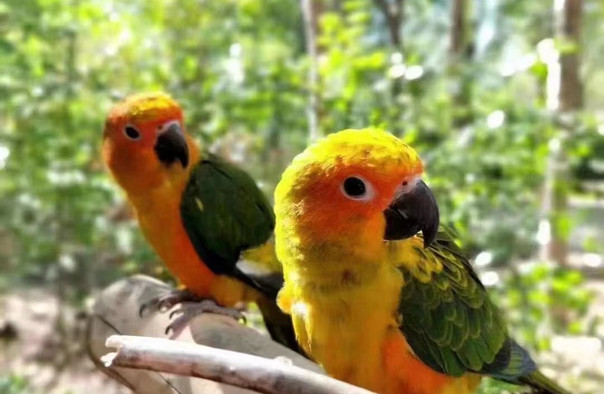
[
  {"x": 199, "y": 212},
  {"x": 374, "y": 303}
]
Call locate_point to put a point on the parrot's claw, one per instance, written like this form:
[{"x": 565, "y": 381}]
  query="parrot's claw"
[
  {"x": 166, "y": 301},
  {"x": 191, "y": 310}
]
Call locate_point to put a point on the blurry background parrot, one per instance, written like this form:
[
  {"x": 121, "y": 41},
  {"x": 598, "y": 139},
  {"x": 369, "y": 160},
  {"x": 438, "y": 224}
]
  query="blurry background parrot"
[
  {"x": 372, "y": 302},
  {"x": 199, "y": 212}
]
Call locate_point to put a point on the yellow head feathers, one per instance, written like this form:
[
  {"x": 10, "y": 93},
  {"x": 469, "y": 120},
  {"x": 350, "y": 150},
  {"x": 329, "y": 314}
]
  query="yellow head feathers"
[
  {"x": 146, "y": 107},
  {"x": 145, "y": 142},
  {"x": 374, "y": 147},
  {"x": 335, "y": 192},
  {"x": 354, "y": 151}
]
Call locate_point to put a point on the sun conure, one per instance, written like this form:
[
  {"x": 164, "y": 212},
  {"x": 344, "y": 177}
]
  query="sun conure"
[
  {"x": 199, "y": 212},
  {"x": 374, "y": 303}
]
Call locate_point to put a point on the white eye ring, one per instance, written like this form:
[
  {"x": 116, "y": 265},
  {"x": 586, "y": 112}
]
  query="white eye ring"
[
  {"x": 132, "y": 133},
  {"x": 357, "y": 188}
]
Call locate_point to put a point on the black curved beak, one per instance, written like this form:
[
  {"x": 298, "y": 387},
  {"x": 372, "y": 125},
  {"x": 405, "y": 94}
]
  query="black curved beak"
[
  {"x": 412, "y": 212},
  {"x": 171, "y": 145}
]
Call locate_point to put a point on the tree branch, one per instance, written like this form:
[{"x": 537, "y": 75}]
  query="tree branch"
[
  {"x": 270, "y": 376},
  {"x": 116, "y": 312}
]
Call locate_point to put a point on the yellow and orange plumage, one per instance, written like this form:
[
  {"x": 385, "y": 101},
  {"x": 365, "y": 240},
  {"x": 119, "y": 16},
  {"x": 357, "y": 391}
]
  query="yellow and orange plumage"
[
  {"x": 369, "y": 302},
  {"x": 155, "y": 193},
  {"x": 197, "y": 211}
]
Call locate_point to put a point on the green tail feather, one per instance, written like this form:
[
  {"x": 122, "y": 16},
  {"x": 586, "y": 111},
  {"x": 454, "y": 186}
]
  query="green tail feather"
[{"x": 541, "y": 384}]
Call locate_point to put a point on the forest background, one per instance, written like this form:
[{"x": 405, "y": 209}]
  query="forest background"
[{"x": 503, "y": 99}]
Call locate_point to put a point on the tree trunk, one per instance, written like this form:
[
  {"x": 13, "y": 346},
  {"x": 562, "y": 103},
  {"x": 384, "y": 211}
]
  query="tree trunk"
[
  {"x": 567, "y": 21},
  {"x": 458, "y": 37},
  {"x": 460, "y": 55},
  {"x": 311, "y": 12},
  {"x": 394, "y": 13},
  {"x": 571, "y": 89}
]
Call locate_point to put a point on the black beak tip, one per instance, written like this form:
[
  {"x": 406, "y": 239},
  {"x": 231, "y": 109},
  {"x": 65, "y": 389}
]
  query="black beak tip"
[
  {"x": 184, "y": 160},
  {"x": 429, "y": 234}
]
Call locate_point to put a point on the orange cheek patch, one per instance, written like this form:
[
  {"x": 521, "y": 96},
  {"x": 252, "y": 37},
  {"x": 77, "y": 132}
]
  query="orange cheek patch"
[{"x": 328, "y": 212}]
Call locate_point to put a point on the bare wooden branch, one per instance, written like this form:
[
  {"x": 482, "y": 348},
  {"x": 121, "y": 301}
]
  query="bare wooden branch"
[
  {"x": 115, "y": 312},
  {"x": 272, "y": 376}
]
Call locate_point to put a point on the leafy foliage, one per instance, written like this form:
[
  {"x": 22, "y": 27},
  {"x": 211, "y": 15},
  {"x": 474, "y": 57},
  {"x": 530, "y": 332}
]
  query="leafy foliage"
[
  {"x": 240, "y": 69},
  {"x": 13, "y": 384}
]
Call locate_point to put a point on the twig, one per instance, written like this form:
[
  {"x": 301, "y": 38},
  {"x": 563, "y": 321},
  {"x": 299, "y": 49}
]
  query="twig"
[{"x": 238, "y": 369}]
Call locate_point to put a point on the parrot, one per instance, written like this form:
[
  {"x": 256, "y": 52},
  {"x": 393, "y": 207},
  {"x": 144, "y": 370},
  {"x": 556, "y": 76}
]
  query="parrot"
[
  {"x": 374, "y": 302},
  {"x": 203, "y": 216}
]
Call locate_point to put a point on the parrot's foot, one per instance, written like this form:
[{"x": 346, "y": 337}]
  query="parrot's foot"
[
  {"x": 191, "y": 310},
  {"x": 166, "y": 301}
]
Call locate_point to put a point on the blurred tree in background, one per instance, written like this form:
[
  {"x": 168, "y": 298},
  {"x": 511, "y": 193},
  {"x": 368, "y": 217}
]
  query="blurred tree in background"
[{"x": 502, "y": 98}]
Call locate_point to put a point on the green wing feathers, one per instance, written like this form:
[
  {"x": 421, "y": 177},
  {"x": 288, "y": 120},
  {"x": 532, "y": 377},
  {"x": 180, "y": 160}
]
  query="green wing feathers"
[
  {"x": 224, "y": 213},
  {"x": 451, "y": 324},
  {"x": 448, "y": 319}
]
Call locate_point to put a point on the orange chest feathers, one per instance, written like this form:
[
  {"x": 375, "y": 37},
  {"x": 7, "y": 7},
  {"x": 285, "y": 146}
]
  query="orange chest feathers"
[{"x": 158, "y": 214}]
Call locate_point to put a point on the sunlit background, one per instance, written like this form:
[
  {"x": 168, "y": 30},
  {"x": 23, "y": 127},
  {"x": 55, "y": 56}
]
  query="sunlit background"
[{"x": 503, "y": 99}]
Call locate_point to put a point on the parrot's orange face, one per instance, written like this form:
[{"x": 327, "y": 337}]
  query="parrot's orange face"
[
  {"x": 144, "y": 140},
  {"x": 358, "y": 182}
]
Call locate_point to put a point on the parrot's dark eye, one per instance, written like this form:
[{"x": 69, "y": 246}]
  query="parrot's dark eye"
[
  {"x": 132, "y": 133},
  {"x": 354, "y": 187},
  {"x": 357, "y": 189}
]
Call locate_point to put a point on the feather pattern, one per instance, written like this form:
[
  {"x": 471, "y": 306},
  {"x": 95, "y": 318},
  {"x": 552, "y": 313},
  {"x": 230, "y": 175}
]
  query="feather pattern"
[
  {"x": 225, "y": 213},
  {"x": 449, "y": 320}
]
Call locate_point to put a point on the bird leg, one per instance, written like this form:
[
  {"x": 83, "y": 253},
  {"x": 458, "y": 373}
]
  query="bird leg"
[
  {"x": 166, "y": 301},
  {"x": 190, "y": 310}
]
